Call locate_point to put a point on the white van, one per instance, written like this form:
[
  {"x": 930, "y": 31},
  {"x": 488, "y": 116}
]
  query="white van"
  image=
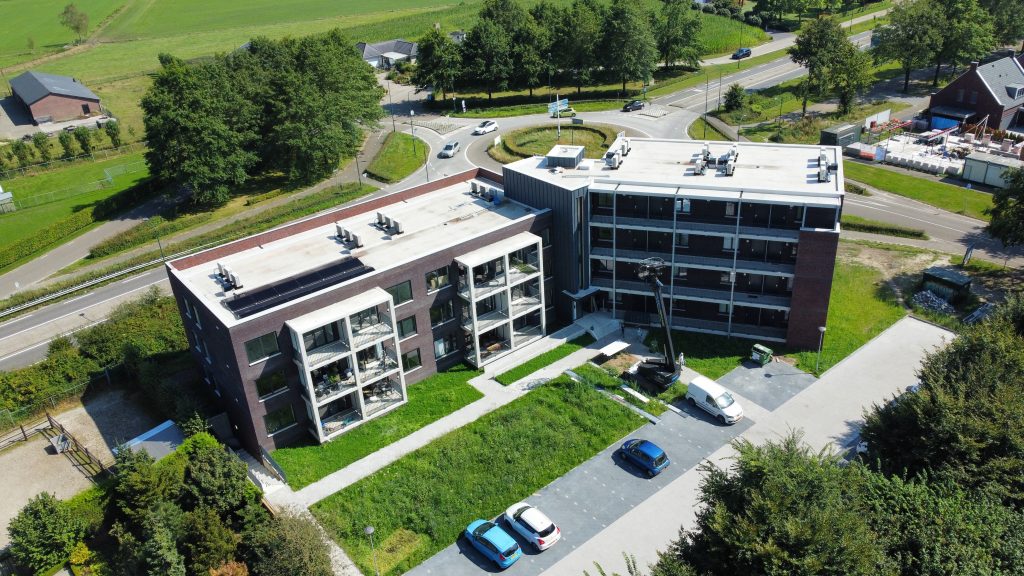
[{"x": 714, "y": 399}]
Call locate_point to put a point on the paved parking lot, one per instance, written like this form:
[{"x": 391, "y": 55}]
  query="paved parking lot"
[
  {"x": 595, "y": 494},
  {"x": 769, "y": 386}
]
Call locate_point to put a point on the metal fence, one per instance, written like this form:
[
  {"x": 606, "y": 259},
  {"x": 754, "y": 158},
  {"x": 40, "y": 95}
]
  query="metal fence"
[
  {"x": 12, "y": 420},
  {"x": 88, "y": 187},
  {"x": 22, "y": 433},
  {"x": 59, "y": 163},
  {"x": 77, "y": 453}
]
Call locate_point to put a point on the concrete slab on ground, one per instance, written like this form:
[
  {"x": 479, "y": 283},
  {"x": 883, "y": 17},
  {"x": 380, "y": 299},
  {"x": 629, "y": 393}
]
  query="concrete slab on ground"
[
  {"x": 107, "y": 419},
  {"x": 769, "y": 386}
]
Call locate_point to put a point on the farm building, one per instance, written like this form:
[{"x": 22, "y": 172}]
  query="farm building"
[
  {"x": 384, "y": 55},
  {"x": 53, "y": 98}
]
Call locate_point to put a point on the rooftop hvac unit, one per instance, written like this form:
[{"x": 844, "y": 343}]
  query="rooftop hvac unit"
[
  {"x": 499, "y": 196},
  {"x": 380, "y": 219},
  {"x": 339, "y": 232},
  {"x": 225, "y": 273},
  {"x": 474, "y": 189},
  {"x": 734, "y": 152},
  {"x": 220, "y": 269},
  {"x": 348, "y": 235},
  {"x": 699, "y": 167},
  {"x": 491, "y": 193},
  {"x": 822, "y": 158},
  {"x": 730, "y": 168},
  {"x": 397, "y": 227},
  {"x": 236, "y": 282},
  {"x": 705, "y": 152},
  {"x": 357, "y": 240},
  {"x": 626, "y": 147},
  {"x": 823, "y": 174}
]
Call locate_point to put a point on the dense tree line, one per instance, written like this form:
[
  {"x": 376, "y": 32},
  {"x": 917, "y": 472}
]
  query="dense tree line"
[
  {"x": 291, "y": 106},
  {"x": 583, "y": 43},
  {"x": 939, "y": 492},
  {"x": 192, "y": 513}
]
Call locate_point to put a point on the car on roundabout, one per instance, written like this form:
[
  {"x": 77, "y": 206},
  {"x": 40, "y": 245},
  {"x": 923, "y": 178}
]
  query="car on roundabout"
[{"x": 485, "y": 127}]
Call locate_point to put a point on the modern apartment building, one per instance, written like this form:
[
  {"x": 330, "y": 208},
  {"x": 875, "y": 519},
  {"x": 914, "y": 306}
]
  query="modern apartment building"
[
  {"x": 748, "y": 232},
  {"x": 313, "y": 328}
]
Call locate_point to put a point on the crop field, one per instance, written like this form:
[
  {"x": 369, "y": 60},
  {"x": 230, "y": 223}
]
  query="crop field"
[{"x": 38, "y": 20}]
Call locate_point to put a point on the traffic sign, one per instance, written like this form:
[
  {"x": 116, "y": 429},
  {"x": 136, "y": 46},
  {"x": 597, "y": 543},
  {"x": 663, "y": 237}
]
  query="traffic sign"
[{"x": 558, "y": 105}]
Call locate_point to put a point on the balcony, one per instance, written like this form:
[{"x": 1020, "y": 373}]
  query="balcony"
[
  {"x": 694, "y": 226},
  {"x": 370, "y": 370},
  {"x": 338, "y": 422},
  {"x": 323, "y": 354},
  {"x": 378, "y": 398},
  {"x": 723, "y": 263},
  {"x": 718, "y": 295},
  {"x": 523, "y": 305},
  {"x": 520, "y": 271},
  {"x": 489, "y": 320},
  {"x": 491, "y": 351},
  {"x": 327, "y": 387},
  {"x": 370, "y": 335},
  {"x": 750, "y": 331},
  {"x": 525, "y": 335}
]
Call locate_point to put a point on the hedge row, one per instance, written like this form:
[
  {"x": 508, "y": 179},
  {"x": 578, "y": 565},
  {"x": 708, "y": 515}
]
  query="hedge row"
[
  {"x": 146, "y": 233},
  {"x": 874, "y": 227},
  {"x": 62, "y": 229}
]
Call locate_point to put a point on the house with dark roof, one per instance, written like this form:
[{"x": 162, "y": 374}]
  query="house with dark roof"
[
  {"x": 384, "y": 55},
  {"x": 992, "y": 91},
  {"x": 53, "y": 98}
]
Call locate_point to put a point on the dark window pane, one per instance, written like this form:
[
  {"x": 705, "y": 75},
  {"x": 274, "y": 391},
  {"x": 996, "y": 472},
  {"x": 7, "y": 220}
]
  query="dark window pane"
[
  {"x": 401, "y": 292},
  {"x": 411, "y": 360},
  {"x": 279, "y": 419},
  {"x": 270, "y": 383},
  {"x": 407, "y": 327},
  {"x": 261, "y": 348}
]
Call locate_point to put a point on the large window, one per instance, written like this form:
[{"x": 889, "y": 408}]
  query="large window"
[
  {"x": 270, "y": 383},
  {"x": 683, "y": 205},
  {"x": 261, "y": 348},
  {"x": 437, "y": 279},
  {"x": 442, "y": 313},
  {"x": 730, "y": 208},
  {"x": 728, "y": 243},
  {"x": 401, "y": 292},
  {"x": 445, "y": 345},
  {"x": 277, "y": 420},
  {"x": 322, "y": 336},
  {"x": 365, "y": 319},
  {"x": 407, "y": 327},
  {"x": 411, "y": 360}
]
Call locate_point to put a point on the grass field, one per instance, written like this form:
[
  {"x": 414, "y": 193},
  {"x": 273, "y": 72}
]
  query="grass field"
[
  {"x": 526, "y": 142},
  {"x": 429, "y": 400},
  {"x": 701, "y": 130},
  {"x": 860, "y": 308},
  {"x": 851, "y": 222},
  {"x": 543, "y": 360},
  {"x": 923, "y": 189},
  {"x": 38, "y": 20},
  {"x": 400, "y": 156},
  {"x": 63, "y": 184},
  {"x": 419, "y": 504}
]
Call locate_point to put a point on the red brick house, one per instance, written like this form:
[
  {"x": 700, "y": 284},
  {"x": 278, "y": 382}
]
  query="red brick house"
[
  {"x": 53, "y": 98},
  {"x": 995, "y": 90}
]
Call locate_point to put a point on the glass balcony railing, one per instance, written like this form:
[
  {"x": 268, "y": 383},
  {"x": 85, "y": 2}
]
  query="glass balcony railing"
[
  {"x": 375, "y": 368},
  {"x": 325, "y": 353},
  {"x": 370, "y": 334}
]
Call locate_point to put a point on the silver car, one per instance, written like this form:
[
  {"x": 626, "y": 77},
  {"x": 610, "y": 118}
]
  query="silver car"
[{"x": 450, "y": 149}]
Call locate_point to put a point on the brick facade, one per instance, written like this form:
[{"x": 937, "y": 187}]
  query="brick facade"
[
  {"x": 57, "y": 108},
  {"x": 812, "y": 285}
]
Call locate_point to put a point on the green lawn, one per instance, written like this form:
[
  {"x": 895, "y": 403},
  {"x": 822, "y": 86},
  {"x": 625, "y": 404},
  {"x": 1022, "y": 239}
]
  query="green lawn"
[
  {"x": 532, "y": 141},
  {"x": 544, "y": 360},
  {"x": 419, "y": 504},
  {"x": 25, "y": 19},
  {"x": 72, "y": 188},
  {"x": 429, "y": 400},
  {"x": 701, "y": 130},
  {"x": 856, "y": 223},
  {"x": 860, "y": 308},
  {"x": 597, "y": 377},
  {"x": 400, "y": 156},
  {"x": 923, "y": 189}
]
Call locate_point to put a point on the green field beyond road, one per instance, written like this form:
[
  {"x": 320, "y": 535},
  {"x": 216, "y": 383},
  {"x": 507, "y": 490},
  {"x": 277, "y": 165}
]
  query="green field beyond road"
[{"x": 923, "y": 189}]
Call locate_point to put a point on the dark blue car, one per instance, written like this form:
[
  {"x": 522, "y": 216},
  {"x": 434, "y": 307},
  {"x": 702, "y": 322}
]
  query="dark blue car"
[
  {"x": 493, "y": 542},
  {"x": 646, "y": 455}
]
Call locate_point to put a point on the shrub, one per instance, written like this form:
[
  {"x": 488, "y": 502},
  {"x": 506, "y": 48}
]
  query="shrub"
[
  {"x": 753, "y": 19},
  {"x": 724, "y": 12},
  {"x": 709, "y": 9},
  {"x": 735, "y": 97},
  {"x": 44, "y": 533}
]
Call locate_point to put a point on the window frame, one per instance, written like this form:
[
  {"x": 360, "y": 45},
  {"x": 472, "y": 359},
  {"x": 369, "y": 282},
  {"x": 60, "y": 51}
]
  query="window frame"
[
  {"x": 259, "y": 339},
  {"x": 446, "y": 305},
  {"x": 294, "y": 420},
  {"x": 433, "y": 274},
  {"x": 407, "y": 285},
  {"x": 419, "y": 360},
  {"x": 403, "y": 335}
]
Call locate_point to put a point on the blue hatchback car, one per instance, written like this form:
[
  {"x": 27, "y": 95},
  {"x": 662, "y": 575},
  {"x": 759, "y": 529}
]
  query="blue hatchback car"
[
  {"x": 493, "y": 542},
  {"x": 646, "y": 455}
]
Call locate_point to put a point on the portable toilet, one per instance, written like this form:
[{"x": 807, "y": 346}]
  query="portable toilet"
[{"x": 762, "y": 355}]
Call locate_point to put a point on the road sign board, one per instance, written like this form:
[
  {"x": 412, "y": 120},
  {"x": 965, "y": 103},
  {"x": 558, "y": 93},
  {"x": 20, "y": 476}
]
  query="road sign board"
[{"x": 558, "y": 105}]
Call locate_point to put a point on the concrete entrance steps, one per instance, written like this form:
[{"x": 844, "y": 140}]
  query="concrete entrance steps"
[
  {"x": 259, "y": 475},
  {"x": 599, "y": 324}
]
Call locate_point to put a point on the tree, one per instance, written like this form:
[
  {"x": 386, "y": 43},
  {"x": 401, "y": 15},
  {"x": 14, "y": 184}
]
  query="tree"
[
  {"x": 67, "y": 143},
  {"x": 486, "y": 57},
  {"x": 75, "y": 20},
  {"x": 113, "y": 130},
  {"x": 207, "y": 541},
  {"x": 965, "y": 33},
  {"x": 577, "y": 43},
  {"x": 139, "y": 485},
  {"x": 735, "y": 97},
  {"x": 84, "y": 138},
  {"x": 286, "y": 546},
  {"x": 438, "y": 62},
  {"x": 213, "y": 478},
  {"x": 816, "y": 49},
  {"x": 1006, "y": 19},
  {"x": 779, "y": 509},
  {"x": 850, "y": 74},
  {"x": 677, "y": 33},
  {"x": 160, "y": 556},
  {"x": 910, "y": 38},
  {"x": 44, "y": 533},
  {"x": 1007, "y": 209},
  {"x": 635, "y": 54},
  {"x": 199, "y": 129},
  {"x": 22, "y": 152},
  {"x": 42, "y": 144}
]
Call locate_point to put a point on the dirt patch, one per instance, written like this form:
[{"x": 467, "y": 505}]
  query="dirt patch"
[
  {"x": 620, "y": 362},
  {"x": 106, "y": 420}
]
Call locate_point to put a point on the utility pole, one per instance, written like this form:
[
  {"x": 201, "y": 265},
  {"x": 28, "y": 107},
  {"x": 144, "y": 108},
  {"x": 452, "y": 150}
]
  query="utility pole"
[
  {"x": 719, "y": 105},
  {"x": 707, "y": 88},
  {"x": 391, "y": 105}
]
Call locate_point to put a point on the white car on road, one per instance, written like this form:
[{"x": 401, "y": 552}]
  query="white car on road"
[
  {"x": 485, "y": 127},
  {"x": 450, "y": 149},
  {"x": 533, "y": 525}
]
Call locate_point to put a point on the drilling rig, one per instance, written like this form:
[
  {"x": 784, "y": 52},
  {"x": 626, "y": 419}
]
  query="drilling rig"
[{"x": 663, "y": 372}]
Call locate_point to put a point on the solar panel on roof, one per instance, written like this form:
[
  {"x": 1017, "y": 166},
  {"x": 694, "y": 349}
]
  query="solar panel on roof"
[{"x": 266, "y": 297}]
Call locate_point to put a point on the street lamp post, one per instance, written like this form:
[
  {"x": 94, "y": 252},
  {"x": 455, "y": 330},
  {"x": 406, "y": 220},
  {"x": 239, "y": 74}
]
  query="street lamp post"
[
  {"x": 821, "y": 339},
  {"x": 391, "y": 105},
  {"x": 359, "y": 172},
  {"x": 369, "y": 532},
  {"x": 707, "y": 87},
  {"x": 156, "y": 232},
  {"x": 412, "y": 125},
  {"x": 549, "y": 74}
]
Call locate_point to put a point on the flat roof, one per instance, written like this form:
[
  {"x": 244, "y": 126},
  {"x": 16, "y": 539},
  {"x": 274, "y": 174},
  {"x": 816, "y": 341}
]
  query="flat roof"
[
  {"x": 996, "y": 159},
  {"x": 488, "y": 253},
  {"x": 431, "y": 222},
  {"x": 348, "y": 307},
  {"x": 661, "y": 166}
]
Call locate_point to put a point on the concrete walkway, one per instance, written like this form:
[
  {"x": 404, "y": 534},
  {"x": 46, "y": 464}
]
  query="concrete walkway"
[{"x": 828, "y": 412}]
